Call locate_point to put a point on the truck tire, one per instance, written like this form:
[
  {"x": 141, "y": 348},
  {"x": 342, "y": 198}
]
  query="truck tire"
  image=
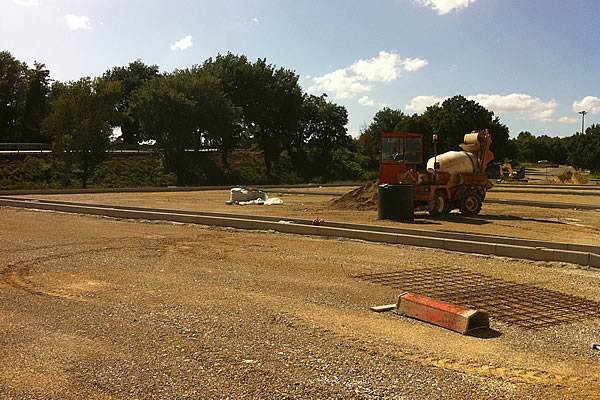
[
  {"x": 470, "y": 203},
  {"x": 438, "y": 206}
]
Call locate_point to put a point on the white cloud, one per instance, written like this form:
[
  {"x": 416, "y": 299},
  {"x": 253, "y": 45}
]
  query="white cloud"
[
  {"x": 344, "y": 86},
  {"x": 346, "y": 82},
  {"x": 182, "y": 44},
  {"x": 385, "y": 68},
  {"x": 445, "y": 6},
  {"x": 420, "y": 103},
  {"x": 27, "y": 3},
  {"x": 76, "y": 22},
  {"x": 527, "y": 106},
  {"x": 590, "y": 104},
  {"x": 568, "y": 120},
  {"x": 366, "y": 101},
  {"x": 414, "y": 64},
  {"x": 255, "y": 21}
]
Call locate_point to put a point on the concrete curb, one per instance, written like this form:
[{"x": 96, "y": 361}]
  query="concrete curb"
[
  {"x": 542, "y": 204},
  {"x": 468, "y": 243}
]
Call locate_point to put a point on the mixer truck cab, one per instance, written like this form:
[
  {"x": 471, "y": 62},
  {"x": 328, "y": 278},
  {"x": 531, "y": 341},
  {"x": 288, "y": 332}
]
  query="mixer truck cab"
[{"x": 452, "y": 180}]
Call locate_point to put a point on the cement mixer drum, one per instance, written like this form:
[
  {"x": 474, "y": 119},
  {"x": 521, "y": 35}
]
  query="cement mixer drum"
[{"x": 455, "y": 162}]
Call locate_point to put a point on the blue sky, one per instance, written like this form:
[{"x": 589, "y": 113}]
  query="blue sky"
[{"x": 535, "y": 63}]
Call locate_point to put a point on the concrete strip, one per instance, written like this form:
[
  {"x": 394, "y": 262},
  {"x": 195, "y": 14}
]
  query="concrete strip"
[
  {"x": 334, "y": 232},
  {"x": 583, "y": 247},
  {"x": 469, "y": 247},
  {"x": 376, "y": 236},
  {"x": 533, "y": 243},
  {"x": 542, "y": 191},
  {"x": 543, "y": 204},
  {"x": 501, "y": 249},
  {"x": 537, "y": 253},
  {"x": 544, "y": 186},
  {"x": 574, "y": 257},
  {"x": 376, "y": 228},
  {"x": 298, "y": 229},
  {"x": 421, "y": 241},
  {"x": 301, "y": 229}
]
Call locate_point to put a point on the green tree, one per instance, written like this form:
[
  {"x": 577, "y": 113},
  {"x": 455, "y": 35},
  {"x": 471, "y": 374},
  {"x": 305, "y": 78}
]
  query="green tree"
[
  {"x": 270, "y": 99},
  {"x": 36, "y": 104},
  {"x": 419, "y": 124},
  {"x": 526, "y": 146},
  {"x": 458, "y": 116},
  {"x": 322, "y": 127},
  {"x": 13, "y": 94},
  {"x": 181, "y": 111},
  {"x": 79, "y": 123},
  {"x": 385, "y": 120},
  {"x": 584, "y": 149},
  {"x": 131, "y": 78}
]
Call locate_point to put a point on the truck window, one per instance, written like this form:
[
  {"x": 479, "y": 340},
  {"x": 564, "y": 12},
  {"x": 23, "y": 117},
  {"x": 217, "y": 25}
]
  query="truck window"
[
  {"x": 413, "y": 150},
  {"x": 392, "y": 150}
]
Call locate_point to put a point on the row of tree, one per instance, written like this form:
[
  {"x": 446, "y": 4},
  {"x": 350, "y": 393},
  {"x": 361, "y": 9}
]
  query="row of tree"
[
  {"x": 225, "y": 103},
  {"x": 581, "y": 150},
  {"x": 229, "y": 102},
  {"x": 458, "y": 115},
  {"x": 23, "y": 99},
  {"x": 451, "y": 120}
]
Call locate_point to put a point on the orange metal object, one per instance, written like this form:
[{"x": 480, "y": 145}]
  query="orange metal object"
[{"x": 450, "y": 316}]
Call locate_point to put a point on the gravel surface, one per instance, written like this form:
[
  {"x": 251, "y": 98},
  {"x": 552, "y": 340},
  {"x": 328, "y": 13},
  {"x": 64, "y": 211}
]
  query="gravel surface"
[
  {"x": 562, "y": 225},
  {"x": 101, "y": 308}
]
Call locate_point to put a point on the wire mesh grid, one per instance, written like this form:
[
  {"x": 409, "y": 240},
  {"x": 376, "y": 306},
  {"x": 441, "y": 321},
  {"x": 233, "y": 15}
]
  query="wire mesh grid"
[{"x": 524, "y": 305}]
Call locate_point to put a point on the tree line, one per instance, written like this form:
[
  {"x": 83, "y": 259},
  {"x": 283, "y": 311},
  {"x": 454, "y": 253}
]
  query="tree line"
[
  {"x": 229, "y": 102},
  {"x": 226, "y": 103},
  {"x": 458, "y": 115}
]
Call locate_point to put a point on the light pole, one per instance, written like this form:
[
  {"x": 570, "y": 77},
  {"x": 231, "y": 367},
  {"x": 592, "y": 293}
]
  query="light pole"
[{"x": 582, "y": 119}]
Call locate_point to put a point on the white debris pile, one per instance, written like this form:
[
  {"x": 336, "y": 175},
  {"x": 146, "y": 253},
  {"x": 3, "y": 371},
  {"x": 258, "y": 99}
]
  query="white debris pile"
[{"x": 244, "y": 196}]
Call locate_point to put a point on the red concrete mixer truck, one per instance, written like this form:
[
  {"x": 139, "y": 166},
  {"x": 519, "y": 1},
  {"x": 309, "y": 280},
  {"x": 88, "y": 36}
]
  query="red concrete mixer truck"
[{"x": 451, "y": 180}]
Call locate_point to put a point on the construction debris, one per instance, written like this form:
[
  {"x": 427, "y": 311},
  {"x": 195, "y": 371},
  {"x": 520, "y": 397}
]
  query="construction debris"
[
  {"x": 386, "y": 307},
  {"x": 243, "y": 196},
  {"x": 363, "y": 198},
  {"x": 450, "y": 316},
  {"x": 571, "y": 177}
]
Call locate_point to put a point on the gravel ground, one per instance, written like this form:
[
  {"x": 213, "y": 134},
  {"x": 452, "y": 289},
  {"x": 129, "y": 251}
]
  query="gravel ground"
[
  {"x": 100, "y": 308},
  {"x": 560, "y": 225}
]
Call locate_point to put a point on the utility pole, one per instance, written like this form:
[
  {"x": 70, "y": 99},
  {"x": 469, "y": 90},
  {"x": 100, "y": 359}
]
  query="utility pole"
[{"x": 582, "y": 119}]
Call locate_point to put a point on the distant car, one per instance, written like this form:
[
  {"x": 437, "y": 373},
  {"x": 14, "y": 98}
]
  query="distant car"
[{"x": 543, "y": 162}]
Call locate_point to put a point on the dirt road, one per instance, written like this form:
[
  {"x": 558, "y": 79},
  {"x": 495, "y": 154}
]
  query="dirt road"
[{"x": 100, "y": 308}]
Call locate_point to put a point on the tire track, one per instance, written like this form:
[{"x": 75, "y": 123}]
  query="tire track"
[
  {"x": 15, "y": 274},
  {"x": 312, "y": 326}
]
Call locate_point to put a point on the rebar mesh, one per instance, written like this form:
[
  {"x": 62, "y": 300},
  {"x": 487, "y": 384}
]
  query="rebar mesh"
[{"x": 524, "y": 305}]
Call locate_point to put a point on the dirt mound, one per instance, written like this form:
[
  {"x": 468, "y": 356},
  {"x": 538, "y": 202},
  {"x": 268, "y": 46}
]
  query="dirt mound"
[
  {"x": 365, "y": 197},
  {"x": 571, "y": 177}
]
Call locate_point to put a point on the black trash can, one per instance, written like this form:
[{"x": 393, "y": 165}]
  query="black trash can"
[{"x": 396, "y": 202}]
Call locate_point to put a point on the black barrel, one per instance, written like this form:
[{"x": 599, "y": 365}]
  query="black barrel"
[{"x": 396, "y": 202}]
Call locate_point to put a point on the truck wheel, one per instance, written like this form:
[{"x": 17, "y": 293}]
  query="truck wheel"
[
  {"x": 438, "y": 206},
  {"x": 470, "y": 203}
]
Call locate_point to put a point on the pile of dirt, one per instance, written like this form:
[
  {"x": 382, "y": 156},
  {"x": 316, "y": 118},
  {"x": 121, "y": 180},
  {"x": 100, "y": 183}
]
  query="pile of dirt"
[
  {"x": 365, "y": 197},
  {"x": 570, "y": 176}
]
